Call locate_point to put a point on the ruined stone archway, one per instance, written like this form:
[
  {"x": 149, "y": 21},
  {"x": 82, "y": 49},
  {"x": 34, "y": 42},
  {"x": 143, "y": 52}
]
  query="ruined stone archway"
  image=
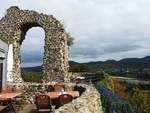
[{"x": 13, "y": 28}]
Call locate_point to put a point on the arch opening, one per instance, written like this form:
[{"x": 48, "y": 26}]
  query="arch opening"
[{"x": 32, "y": 53}]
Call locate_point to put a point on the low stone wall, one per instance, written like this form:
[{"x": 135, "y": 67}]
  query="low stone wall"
[
  {"x": 88, "y": 102},
  {"x": 74, "y": 75}
]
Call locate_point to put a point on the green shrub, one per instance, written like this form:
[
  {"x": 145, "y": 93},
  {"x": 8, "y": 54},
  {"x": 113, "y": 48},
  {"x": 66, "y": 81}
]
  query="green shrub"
[
  {"x": 31, "y": 76},
  {"x": 107, "y": 81}
]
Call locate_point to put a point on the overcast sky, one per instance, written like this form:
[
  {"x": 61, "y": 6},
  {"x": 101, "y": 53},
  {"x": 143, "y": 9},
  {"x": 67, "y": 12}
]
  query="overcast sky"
[{"x": 103, "y": 29}]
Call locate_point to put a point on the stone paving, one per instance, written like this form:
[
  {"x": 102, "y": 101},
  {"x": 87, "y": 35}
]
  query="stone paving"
[{"x": 30, "y": 108}]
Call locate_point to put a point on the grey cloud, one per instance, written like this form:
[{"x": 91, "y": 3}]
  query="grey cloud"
[
  {"x": 34, "y": 57},
  {"x": 98, "y": 50}
]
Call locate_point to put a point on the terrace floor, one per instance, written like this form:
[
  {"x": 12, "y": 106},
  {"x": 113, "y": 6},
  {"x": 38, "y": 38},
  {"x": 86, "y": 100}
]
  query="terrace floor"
[{"x": 30, "y": 108}]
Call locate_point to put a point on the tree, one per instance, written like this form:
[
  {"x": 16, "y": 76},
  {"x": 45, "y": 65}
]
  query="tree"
[{"x": 80, "y": 68}]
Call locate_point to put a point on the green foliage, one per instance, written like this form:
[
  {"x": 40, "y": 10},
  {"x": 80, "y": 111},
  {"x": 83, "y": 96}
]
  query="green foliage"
[
  {"x": 70, "y": 40},
  {"x": 107, "y": 81},
  {"x": 142, "y": 85},
  {"x": 30, "y": 76},
  {"x": 140, "y": 100},
  {"x": 80, "y": 68},
  {"x": 100, "y": 75}
]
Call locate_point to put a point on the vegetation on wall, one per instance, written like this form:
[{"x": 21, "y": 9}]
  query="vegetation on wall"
[
  {"x": 107, "y": 81},
  {"x": 70, "y": 40}
]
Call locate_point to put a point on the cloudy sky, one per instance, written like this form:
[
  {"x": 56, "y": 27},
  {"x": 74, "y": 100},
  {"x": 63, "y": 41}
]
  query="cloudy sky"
[{"x": 103, "y": 29}]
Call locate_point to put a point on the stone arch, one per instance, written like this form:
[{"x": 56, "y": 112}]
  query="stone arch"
[{"x": 13, "y": 28}]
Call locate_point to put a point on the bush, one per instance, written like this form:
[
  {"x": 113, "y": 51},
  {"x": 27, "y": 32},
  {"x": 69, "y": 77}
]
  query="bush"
[
  {"x": 139, "y": 99},
  {"x": 30, "y": 76},
  {"x": 107, "y": 81}
]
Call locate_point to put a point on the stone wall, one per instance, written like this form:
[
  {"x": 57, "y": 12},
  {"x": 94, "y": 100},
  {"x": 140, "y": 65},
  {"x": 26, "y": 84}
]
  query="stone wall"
[
  {"x": 74, "y": 75},
  {"x": 13, "y": 28},
  {"x": 88, "y": 102}
]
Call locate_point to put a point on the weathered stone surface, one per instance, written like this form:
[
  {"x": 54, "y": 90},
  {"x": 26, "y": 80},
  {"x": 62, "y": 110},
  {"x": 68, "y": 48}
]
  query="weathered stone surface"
[
  {"x": 13, "y": 28},
  {"x": 88, "y": 102}
]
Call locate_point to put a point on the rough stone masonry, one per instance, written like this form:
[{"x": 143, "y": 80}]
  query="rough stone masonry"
[{"x": 13, "y": 28}]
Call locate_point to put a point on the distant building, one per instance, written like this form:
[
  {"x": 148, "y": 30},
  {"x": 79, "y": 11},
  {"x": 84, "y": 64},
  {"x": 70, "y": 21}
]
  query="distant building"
[{"x": 3, "y": 62}]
